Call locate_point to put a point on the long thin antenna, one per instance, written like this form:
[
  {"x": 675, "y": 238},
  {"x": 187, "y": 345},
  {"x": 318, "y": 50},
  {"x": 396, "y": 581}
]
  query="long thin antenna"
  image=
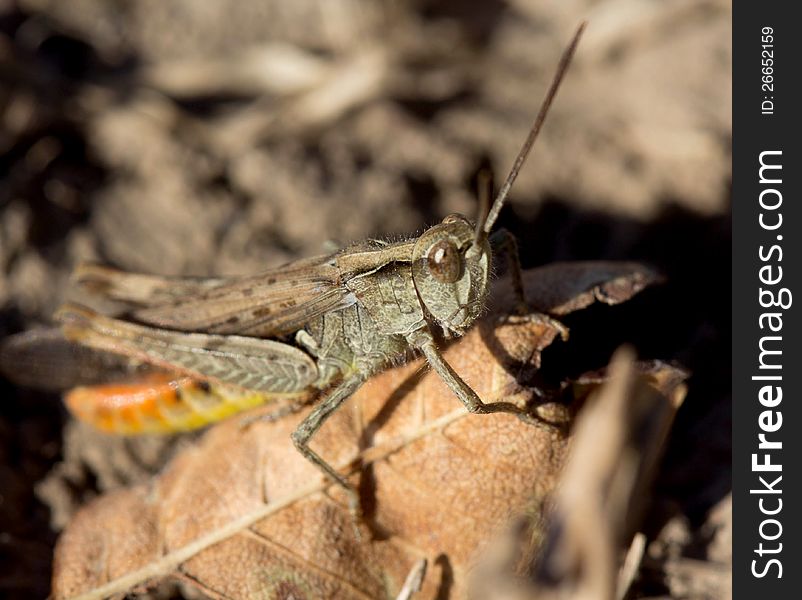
[
  {"x": 565, "y": 60},
  {"x": 485, "y": 189}
]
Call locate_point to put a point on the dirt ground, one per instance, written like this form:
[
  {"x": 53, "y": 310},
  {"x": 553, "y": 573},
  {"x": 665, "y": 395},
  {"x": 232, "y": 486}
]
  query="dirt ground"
[{"x": 226, "y": 137}]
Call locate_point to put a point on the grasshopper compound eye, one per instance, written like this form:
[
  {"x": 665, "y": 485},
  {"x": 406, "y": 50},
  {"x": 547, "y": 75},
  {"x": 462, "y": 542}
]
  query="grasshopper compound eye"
[{"x": 444, "y": 261}]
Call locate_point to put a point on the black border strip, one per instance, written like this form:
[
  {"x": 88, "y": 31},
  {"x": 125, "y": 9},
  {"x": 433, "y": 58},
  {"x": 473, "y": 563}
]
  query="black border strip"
[{"x": 773, "y": 129}]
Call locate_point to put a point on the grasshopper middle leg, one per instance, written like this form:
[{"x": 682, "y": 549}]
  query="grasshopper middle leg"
[{"x": 309, "y": 426}]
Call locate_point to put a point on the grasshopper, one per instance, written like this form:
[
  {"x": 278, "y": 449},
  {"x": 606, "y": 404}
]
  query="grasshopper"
[{"x": 326, "y": 323}]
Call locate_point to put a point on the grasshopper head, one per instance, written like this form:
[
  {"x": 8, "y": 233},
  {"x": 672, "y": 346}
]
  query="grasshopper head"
[
  {"x": 450, "y": 268},
  {"x": 451, "y": 261}
]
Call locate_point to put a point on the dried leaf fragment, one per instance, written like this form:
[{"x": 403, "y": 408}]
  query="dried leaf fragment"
[{"x": 598, "y": 501}]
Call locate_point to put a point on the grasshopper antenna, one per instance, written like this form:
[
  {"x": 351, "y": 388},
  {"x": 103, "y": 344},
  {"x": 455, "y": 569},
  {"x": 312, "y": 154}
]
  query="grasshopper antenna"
[
  {"x": 485, "y": 190},
  {"x": 565, "y": 60}
]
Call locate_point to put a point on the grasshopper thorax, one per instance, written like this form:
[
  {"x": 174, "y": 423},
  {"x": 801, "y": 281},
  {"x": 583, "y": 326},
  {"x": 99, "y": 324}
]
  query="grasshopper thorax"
[{"x": 450, "y": 268}]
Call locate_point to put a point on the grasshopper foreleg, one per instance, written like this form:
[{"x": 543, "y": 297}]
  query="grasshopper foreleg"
[
  {"x": 309, "y": 426},
  {"x": 503, "y": 242},
  {"x": 463, "y": 391}
]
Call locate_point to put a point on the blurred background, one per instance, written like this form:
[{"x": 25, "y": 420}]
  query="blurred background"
[{"x": 224, "y": 137}]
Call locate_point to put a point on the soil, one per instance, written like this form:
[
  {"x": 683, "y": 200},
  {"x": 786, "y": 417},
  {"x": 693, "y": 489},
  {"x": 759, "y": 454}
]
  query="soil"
[{"x": 227, "y": 137}]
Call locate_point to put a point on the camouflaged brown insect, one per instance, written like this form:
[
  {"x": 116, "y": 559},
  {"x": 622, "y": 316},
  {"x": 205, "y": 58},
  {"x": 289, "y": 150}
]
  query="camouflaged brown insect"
[{"x": 327, "y": 322}]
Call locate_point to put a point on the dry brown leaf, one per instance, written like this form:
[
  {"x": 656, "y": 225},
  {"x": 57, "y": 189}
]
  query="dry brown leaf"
[
  {"x": 564, "y": 287},
  {"x": 600, "y": 497},
  {"x": 243, "y": 515}
]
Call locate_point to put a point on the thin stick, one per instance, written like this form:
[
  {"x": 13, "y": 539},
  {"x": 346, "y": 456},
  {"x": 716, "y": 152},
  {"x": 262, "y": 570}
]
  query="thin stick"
[
  {"x": 414, "y": 581},
  {"x": 565, "y": 60}
]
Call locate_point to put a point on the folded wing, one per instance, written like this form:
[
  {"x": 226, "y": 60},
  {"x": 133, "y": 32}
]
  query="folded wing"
[{"x": 274, "y": 303}]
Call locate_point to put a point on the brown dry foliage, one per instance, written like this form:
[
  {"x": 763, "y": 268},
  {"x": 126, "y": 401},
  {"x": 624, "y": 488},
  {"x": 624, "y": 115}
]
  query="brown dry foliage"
[
  {"x": 596, "y": 509},
  {"x": 243, "y": 515}
]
